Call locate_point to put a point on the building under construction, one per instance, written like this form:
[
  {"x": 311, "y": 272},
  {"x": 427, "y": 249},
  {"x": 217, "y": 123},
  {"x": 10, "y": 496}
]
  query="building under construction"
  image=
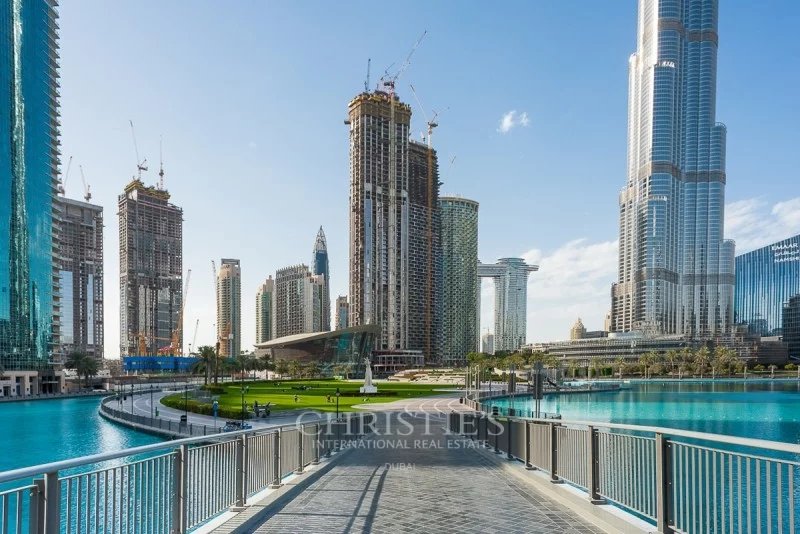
[
  {"x": 151, "y": 267},
  {"x": 393, "y": 227},
  {"x": 229, "y": 308},
  {"x": 81, "y": 277}
]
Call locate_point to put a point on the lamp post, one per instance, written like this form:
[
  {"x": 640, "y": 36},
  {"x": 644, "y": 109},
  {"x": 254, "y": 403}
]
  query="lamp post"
[
  {"x": 131, "y": 398},
  {"x": 151, "y": 401},
  {"x": 215, "y": 408},
  {"x": 337, "y": 403},
  {"x": 186, "y": 402},
  {"x": 244, "y": 390}
]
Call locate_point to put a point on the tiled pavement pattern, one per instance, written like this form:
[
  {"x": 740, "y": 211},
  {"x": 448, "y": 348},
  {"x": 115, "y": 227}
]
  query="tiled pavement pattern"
[{"x": 424, "y": 488}]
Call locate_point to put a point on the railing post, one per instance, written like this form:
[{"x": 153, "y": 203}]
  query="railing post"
[
  {"x": 300, "y": 435},
  {"x": 52, "y": 503},
  {"x": 497, "y": 438},
  {"x": 240, "y": 468},
  {"x": 276, "y": 460},
  {"x": 528, "y": 445},
  {"x": 36, "y": 511},
  {"x": 509, "y": 437},
  {"x": 315, "y": 458},
  {"x": 554, "y": 454},
  {"x": 663, "y": 484},
  {"x": 181, "y": 484},
  {"x": 594, "y": 466}
]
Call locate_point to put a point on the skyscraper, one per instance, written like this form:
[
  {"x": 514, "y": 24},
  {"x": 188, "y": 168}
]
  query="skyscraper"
[
  {"x": 766, "y": 279},
  {"x": 264, "y": 305},
  {"x": 424, "y": 327},
  {"x": 150, "y": 270},
  {"x": 510, "y": 276},
  {"x": 81, "y": 277},
  {"x": 379, "y": 216},
  {"x": 460, "y": 285},
  {"x": 229, "y": 308},
  {"x": 791, "y": 326},
  {"x": 29, "y": 307},
  {"x": 675, "y": 269},
  {"x": 297, "y": 301},
  {"x": 320, "y": 266},
  {"x": 395, "y": 266},
  {"x": 487, "y": 343},
  {"x": 342, "y": 312}
]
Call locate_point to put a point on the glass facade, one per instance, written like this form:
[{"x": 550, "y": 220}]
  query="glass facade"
[
  {"x": 460, "y": 287},
  {"x": 320, "y": 266},
  {"x": 791, "y": 326},
  {"x": 28, "y": 179},
  {"x": 510, "y": 277},
  {"x": 765, "y": 281},
  {"x": 675, "y": 268}
]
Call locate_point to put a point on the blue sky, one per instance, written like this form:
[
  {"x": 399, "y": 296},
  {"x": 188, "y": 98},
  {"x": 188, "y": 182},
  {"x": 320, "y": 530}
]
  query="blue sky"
[{"x": 250, "y": 96}]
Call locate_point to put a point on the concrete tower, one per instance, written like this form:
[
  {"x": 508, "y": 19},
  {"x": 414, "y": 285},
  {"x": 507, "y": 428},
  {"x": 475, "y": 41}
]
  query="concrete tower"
[
  {"x": 320, "y": 267},
  {"x": 229, "y": 308},
  {"x": 510, "y": 276},
  {"x": 264, "y": 310}
]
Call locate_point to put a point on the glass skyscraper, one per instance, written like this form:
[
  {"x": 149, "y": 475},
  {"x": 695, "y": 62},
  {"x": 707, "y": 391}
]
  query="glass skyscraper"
[
  {"x": 766, "y": 279},
  {"x": 510, "y": 276},
  {"x": 460, "y": 286},
  {"x": 29, "y": 158},
  {"x": 675, "y": 268},
  {"x": 320, "y": 266}
]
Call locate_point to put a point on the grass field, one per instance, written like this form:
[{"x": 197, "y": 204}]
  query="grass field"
[{"x": 311, "y": 394}]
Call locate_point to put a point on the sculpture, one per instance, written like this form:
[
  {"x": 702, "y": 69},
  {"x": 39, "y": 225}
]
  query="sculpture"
[{"x": 368, "y": 386}]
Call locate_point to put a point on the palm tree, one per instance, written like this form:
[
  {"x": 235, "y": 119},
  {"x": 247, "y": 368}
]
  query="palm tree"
[
  {"x": 647, "y": 360},
  {"x": 619, "y": 363},
  {"x": 206, "y": 357},
  {"x": 702, "y": 359},
  {"x": 572, "y": 365},
  {"x": 84, "y": 365},
  {"x": 673, "y": 357},
  {"x": 281, "y": 367},
  {"x": 294, "y": 368},
  {"x": 724, "y": 358},
  {"x": 685, "y": 358}
]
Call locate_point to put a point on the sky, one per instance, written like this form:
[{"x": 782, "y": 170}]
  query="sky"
[{"x": 248, "y": 99}]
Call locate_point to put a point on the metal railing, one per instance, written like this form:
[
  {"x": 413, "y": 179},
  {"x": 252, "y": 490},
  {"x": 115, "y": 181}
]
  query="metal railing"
[
  {"x": 165, "y": 487},
  {"x": 678, "y": 480},
  {"x": 166, "y": 426}
]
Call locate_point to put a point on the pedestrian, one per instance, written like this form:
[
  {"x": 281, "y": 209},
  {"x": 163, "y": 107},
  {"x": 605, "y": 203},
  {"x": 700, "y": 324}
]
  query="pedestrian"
[{"x": 295, "y": 398}]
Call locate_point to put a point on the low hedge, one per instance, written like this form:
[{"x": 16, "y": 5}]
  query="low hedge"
[
  {"x": 179, "y": 403},
  {"x": 214, "y": 390}
]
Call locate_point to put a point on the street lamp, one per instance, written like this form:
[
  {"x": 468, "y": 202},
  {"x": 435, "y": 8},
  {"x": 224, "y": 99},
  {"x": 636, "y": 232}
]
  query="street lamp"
[
  {"x": 151, "y": 401},
  {"x": 244, "y": 390},
  {"x": 186, "y": 402},
  {"x": 337, "y": 403},
  {"x": 131, "y": 398}
]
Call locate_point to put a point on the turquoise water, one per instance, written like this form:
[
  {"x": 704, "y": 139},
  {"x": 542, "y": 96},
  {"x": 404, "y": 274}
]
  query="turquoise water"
[
  {"x": 43, "y": 431},
  {"x": 756, "y": 409}
]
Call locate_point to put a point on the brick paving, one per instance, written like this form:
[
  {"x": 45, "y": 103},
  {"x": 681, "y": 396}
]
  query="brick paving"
[{"x": 435, "y": 483}]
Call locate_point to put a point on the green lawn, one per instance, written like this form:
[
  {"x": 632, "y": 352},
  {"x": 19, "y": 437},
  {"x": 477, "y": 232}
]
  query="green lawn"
[{"x": 311, "y": 394}]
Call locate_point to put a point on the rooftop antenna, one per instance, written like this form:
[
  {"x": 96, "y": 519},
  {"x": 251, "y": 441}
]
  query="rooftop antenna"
[
  {"x": 141, "y": 165},
  {"x": 366, "y": 80},
  {"x": 62, "y": 184},
  {"x": 160, "y": 164},
  {"x": 87, "y": 193}
]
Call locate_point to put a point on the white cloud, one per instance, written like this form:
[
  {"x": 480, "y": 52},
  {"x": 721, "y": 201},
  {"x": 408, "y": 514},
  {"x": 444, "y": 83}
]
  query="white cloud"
[
  {"x": 511, "y": 120},
  {"x": 753, "y": 223}
]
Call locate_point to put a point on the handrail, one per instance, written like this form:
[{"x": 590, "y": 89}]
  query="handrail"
[{"x": 24, "y": 472}]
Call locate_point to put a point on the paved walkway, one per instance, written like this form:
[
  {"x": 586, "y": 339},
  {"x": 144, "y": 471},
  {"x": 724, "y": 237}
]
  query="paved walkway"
[{"x": 432, "y": 482}]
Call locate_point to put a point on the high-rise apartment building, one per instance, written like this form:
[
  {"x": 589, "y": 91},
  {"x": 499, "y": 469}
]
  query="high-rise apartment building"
[
  {"x": 81, "y": 277},
  {"x": 675, "y": 269},
  {"x": 460, "y": 285},
  {"x": 29, "y": 160},
  {"x": 487, "y": 343},
  {"x": 321, "y": 267},
  {"x": 342, "y": 312},
  {"x": 264, "y": 305},
  {"x": 229, "y": 308},
  {"x": 510, "y": 276},
  {"x": 150, "y": 270},
  {"x": 297, "y": 301},
  {"x": 424, "y": 327},
  {"x": 765, "y": 281},
  {"x": 395, "y": 266}
]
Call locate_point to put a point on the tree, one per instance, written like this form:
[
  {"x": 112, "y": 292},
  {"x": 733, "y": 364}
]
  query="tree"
[
  {"x": 702, "y": 359},
  {"x": 647, "y": 360},
  {"x": 294, "y": 368},
  {"x": 619, "y": 363},
  {"x": 686, "y": 357},
  {"x": 572, "y": 365},
  {"x": 206, "y": 357},
  {"x": 724, "y": 359},
  {"x": 281, "y": 367},
  {"x": 84, "y": 365},
  {"x": 672, "y": 357}
]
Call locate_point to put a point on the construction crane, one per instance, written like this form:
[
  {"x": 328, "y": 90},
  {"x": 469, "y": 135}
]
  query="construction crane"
[
  {"x": 160, "y": 165},
  {"x": 431, "y": 122},
  {"x": 141, "y": 165},
  {"x": 175, "y": 345},
  {"x": 62, "y": 184},
  {"x": 366, "y": 80},
  {"x": 87, "y": 193},
  {"x": 389, "y": 80},
  {"x": 194, "y": 337}
]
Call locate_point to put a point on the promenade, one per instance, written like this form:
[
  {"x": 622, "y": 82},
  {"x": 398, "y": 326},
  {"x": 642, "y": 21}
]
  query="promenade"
[{"x": 411, "y": 476}]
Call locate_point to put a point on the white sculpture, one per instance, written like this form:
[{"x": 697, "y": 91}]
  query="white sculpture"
[{"x": 368, "y": 386}]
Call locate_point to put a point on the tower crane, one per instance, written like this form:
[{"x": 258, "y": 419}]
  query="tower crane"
[
  {"x": 141, "y": 165},
  {"x": 366, "y": 80},
  {"x": 194, "y": 337},
  {"x": 87, "y": 193},
  {"x": 389, "y": 80},
  {"x": 62, "y": 184},
  {"x": 160, "y": 165}
]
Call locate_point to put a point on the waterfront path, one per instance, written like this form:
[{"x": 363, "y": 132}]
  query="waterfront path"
[{"x": 410, "y": 476}]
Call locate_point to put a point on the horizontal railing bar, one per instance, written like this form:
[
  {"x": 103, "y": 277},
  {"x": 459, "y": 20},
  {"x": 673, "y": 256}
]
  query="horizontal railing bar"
[
  {"x": 719, "y": 438},
  {"x": 103, "y": 470},
  {"x": 32, "y": 471},
  {"x": 17, "y": 490},
  {"x": 737, "y": 454}
]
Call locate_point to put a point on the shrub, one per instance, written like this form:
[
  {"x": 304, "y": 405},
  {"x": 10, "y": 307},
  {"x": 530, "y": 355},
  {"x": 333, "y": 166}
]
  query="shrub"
[
  {"x": 214, "y": 390},
  {"x": 759, "y": 368},
  {"x": 194, "y": 406},
  {"x": 790, "y": 367}
]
